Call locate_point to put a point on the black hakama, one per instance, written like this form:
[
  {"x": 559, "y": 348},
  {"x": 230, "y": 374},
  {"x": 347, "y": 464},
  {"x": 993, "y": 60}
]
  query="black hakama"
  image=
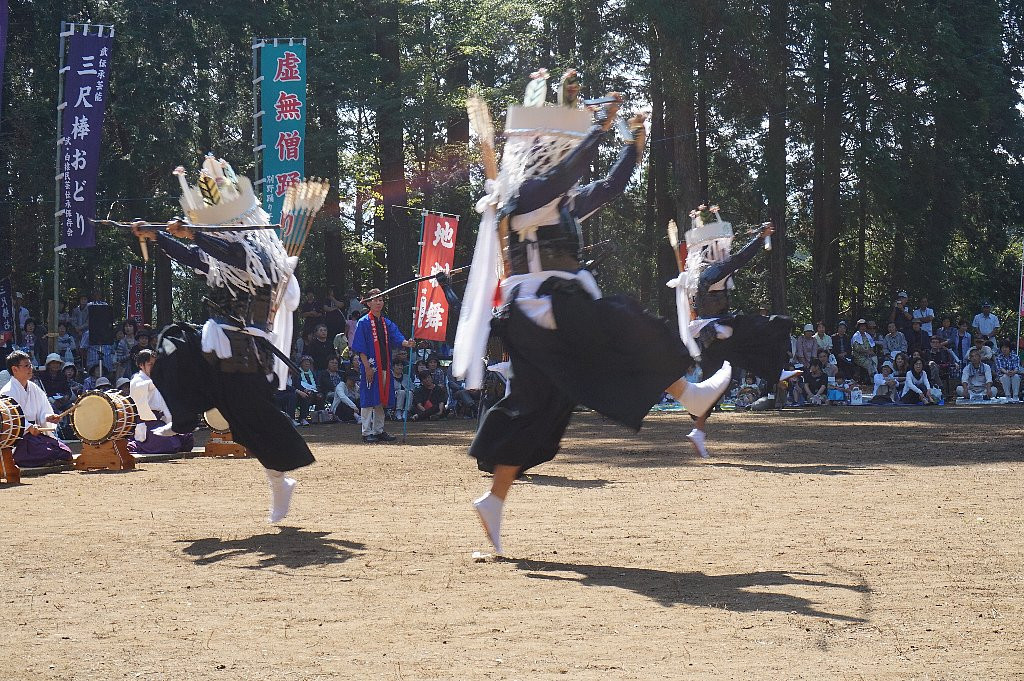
[
  {"x": 191, "y": 384},
  {"x": 606, "y": 354}
]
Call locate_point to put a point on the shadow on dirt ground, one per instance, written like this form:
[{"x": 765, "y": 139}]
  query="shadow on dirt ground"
[{"x": 290, "y": 547}]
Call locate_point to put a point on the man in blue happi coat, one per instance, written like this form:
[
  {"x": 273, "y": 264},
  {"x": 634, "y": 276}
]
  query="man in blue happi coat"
[{"x": 374, "y": 337}]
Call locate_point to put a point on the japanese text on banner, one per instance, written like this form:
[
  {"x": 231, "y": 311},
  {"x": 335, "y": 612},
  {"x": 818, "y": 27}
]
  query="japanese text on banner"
[
  {"x": 283, "y": 102},
  {"x": 438, "y": 254},
  {"x": 85, "y": 93},
  {"x": 8, "y": 322},
  {"x": 135, "y": 309}
]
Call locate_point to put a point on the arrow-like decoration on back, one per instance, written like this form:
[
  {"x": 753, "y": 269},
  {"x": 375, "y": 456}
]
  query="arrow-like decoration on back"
[{"x": 537, "y": 88}]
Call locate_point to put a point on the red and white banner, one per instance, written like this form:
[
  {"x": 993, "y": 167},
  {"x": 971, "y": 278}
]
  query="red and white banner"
[
  {"x": 135, "y": 308},
  {"x": 437, "y": 254}
]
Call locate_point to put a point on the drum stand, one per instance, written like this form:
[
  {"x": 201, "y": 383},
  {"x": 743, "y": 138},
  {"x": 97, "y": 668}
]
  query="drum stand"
[
  {"x": 9, "y": 471},
  {"x": 112, "y": 455},
  {"x": 221, "y": 444}
]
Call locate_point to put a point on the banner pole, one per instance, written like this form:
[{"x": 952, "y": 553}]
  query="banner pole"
[
  {"x": 412, "y": 328},
  {"x": 57, "y": 212},
  {"x": 1020, "y": 301}
]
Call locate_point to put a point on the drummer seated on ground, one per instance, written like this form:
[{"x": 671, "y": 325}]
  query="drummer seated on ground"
[{"x": 38, "y": 447}]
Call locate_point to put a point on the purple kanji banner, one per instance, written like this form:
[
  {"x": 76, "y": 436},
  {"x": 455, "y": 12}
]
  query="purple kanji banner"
[
  {"x": 3, "y": 47},
  {"x": 8, "y": 320},
  {"x": 85, "y": 97}
]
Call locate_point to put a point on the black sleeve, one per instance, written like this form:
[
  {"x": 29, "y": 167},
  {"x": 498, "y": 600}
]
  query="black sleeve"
[
  {"x": 595, "y": 195},
  {"x": 718, "y": 271},
  {"x": 189, "y": 256},
  {"x": 228, "y": 252}
]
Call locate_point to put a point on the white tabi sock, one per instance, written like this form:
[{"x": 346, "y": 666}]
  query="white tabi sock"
[
  {"x": 699, "y": 397},
  {"x": 489, "y": 508},
  {"x": 697, "y": 438},
  {"x": 281, "y": 489}
]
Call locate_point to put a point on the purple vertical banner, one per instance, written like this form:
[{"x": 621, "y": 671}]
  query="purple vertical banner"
[
  {"x": 8, "y": 314},
  {"x": 3, "y": 50},
  {"x": 85, "y": 98}
]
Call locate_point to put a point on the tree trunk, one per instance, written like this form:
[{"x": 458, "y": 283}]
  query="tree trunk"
[
  {"x": 775, "y": 153},
  {"x": 393, "y": 229},
  {"x": 825, "y": 269}
]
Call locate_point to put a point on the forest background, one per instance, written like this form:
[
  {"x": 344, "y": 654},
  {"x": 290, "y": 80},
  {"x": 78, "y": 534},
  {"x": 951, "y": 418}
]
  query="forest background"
[{"x": 883, "y": 138}]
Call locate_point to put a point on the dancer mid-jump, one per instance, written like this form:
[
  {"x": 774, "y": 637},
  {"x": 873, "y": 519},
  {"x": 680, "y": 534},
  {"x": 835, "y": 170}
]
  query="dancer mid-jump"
[{"x": 568, "y": 344}]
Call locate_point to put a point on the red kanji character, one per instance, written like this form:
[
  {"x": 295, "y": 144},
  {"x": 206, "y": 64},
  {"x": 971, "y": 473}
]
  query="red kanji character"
[
  {"x": 287, "y": 107},
  {"x": 288, "y": 145},
  {"x": 285, "y": 179},
  {"x": 287, "y": 68}
]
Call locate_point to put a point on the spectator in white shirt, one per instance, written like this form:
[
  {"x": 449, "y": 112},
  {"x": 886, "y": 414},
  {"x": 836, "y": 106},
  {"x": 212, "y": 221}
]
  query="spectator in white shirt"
[
  {"x": 885, "y": 385},
  {"x": 976, "y": 379},
  {"x": 925, "y": 314},
  {"x": 916, "y": 389},
  {"x": 864, "y": 348},
  {"x": 985, "y": 323}
]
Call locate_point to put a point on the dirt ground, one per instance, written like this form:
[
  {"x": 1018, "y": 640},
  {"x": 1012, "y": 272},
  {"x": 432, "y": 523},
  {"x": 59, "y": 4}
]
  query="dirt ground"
[{"x": 842, "y": 543}]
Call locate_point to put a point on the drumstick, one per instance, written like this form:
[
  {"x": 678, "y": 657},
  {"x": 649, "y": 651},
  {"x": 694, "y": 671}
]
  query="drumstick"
[{"x": 67, "y": 411}]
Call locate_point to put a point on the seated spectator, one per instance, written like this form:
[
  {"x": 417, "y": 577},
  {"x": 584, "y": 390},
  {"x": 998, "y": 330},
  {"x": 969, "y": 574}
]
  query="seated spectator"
[
  {"x": 864, "y": 349},
  {"x": 153, "y": 413},
  {"x": 925, "y": 315},
  {"x": 976, "y": 378},
  {"x": 80, "y": 317},
  {"x": 37, "y": 447},
  {"x": 403, "y": 389},
  {"x": 71, "y": 374},
  {"x": 143, "y": 341},
  {"x": 985, "y": 323},
  {"x": 306, "y": 393},
  {"x": 843, "y": 352},
  {"x": 961, "y": 343},
  {"x": 341, "y": 348},
  {"x": 55, "y": 384},
  {"x": 917, "y": 339},
  {"x": 894, "y": 342},
  {"x": 29, "y": 343},
  {"x": 816, "y": 384},
  {"x": 429, "y": 400},
  {"x": 125, "y": 343},
  {"x": 310, "y": 312},
  {"x": 988, "y": 356},
  {"x": 828, "y": 364},
  {"x": 1008, "y": 371},
  {"x": 463, "y": 401},
  {"x": 329, "y": 380},
  {"x": 320, "y": 348},
  {"x": 66, "y": 344},
  {"x": 90, "y": 378},
  {"x": 435, "y": 369},
  {"x": 333, "y": 313},
  {"x": 900, "y": 367},
  {"x": 916, "y": 388},
  {"x": 941, "y": 364},
  {"x": 286, "y": 400},
  {"x": 886, "y": 386},
  {"x": 806, "y": 347},
  {"x": 123, "y": 385},
  {"x": 822, "y": 338},
  {"x": 346, "y": 399},
  {"x": 946, "y": 331}
]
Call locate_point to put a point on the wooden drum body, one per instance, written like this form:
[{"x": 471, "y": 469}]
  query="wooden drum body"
[
  {"x": 220, "y": 442},
  {"x": 12, "y": 428}
]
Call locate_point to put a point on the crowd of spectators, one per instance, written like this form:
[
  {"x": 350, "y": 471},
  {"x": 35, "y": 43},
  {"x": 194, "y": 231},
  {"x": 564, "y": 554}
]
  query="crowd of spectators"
[
  {"x": 915, "y": 358},
  {"x": 911, "y": 357}
]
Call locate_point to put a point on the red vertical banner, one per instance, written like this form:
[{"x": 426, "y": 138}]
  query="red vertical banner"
[
  {"x": 135, "y": 307},
  {"x": 436, "y": 255}
]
